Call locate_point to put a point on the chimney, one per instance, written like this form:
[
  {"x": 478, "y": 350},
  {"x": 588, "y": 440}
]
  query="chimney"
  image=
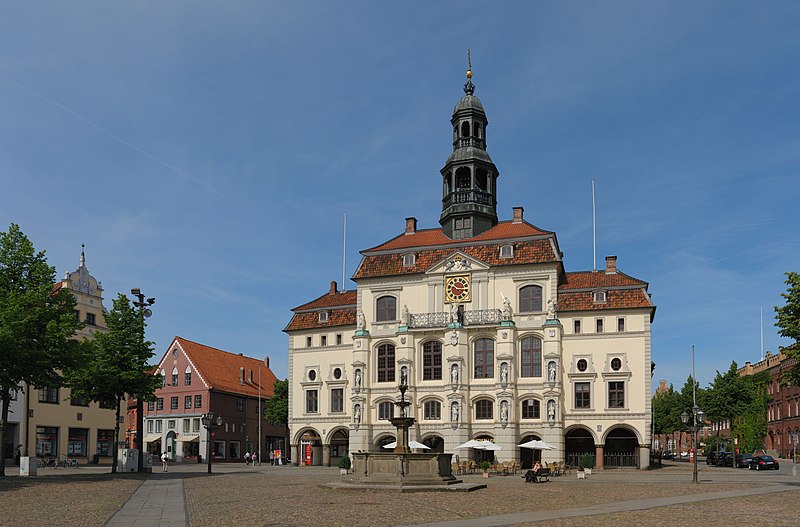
[
  {"x": 518, "y": 214},
  {"x": 241, "y": 375},
  {"x": 333, "y": 287},
  {"x": 266, "y": 361},
  {"x": 411, "y": 225},
  {"x": 611, "y": 265}
]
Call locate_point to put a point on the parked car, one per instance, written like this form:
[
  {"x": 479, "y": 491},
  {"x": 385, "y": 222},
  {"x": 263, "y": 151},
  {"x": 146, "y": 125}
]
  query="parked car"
[
  {"x": 763, "y": 463},
  {"x": 667, "y": 455},
  {"x": 743, "y": 460},
  {"x": 711, "y": 459},
  {"x": 725, "y": 459}
]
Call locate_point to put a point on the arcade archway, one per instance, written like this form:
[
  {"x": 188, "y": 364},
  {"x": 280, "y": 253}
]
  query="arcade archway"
[
  {"x": 621, "y": 449},
  {"x": 528, "y": 456},
  {"x": 578, "y": 442}
]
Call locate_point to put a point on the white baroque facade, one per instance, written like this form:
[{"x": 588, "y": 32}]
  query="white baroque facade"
[{"x": 495, "y": 340}]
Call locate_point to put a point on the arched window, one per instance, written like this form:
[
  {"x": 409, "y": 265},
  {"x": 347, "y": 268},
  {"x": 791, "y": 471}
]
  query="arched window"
[
  {"x": 484, "y": 358},
  {"x": 465, "y": 129},
  {"x": 481, "y": 179},
  {"x": 163, "y": 378},
  {"x": 386, "y": 309},
  {"x": 530, "y": 299},
  {"x": 530, "y": 353},
  {"x": 484, "y": 409},
  {"x": 174, "y": 376},
  {"x": 432, "y": 361},
  {"x": 187, "y": 376},
  {"x": 432, "y": 410},
  {"x": 386, "y": 363},
  {"x": 477, "y": 129},
  {"x": 463, "y": 178},
  {"x": 531, "y": 409}
]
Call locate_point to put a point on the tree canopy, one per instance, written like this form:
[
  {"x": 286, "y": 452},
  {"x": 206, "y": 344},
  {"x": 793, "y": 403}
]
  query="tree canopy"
[
  {"x": 37, "y": 321},
  {"x": 115, "y": 364},
  {"x": 788, "y": 320},
  {"x": 278, "y": 406}
]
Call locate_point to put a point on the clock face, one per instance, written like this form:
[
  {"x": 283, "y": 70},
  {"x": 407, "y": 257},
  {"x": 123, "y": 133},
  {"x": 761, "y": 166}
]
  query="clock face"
[{"x": 456, "y": 289}]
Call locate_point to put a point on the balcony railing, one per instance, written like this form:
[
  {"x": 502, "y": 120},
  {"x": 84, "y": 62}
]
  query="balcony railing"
[
  {"x": 468, "y": 196},
  {"x": 469, "y": 141},
  {"x": 442, "y": 319}
]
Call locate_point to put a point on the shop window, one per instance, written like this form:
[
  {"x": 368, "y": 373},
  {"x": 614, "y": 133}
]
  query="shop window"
[
  {"x": 46, "y": 441},
  {"x": 77, "y": 444}
]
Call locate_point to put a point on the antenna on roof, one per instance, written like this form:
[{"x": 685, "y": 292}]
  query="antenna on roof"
[
  {"x": 594, "y": 230},
  {"x": 344, "y": 254}
]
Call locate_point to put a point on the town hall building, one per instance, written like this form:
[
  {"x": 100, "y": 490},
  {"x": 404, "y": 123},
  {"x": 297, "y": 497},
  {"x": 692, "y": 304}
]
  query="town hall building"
[{"x": 494, "y": 338}]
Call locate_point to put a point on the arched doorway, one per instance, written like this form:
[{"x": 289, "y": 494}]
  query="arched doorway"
[
  {"x": 309, "y": 449},
  {"x": 171, "y": 445},
  {"x": 621, "y": 449},
  {"x": 436, "y": 444},
  {"x": 481, "y": 454},
  {"x": 384, "y": 440},
  {"x": 529, "y": 456},
  {"x": 578, "y": 442},
  {"x": 339, "y": 442}
]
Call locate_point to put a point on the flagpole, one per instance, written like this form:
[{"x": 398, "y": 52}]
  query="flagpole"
[
  {"x": 594, "y": 230},
  {"x": 259, "y": 415}
]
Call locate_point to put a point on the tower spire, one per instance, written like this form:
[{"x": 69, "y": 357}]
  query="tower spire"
[
  {"x": 469, "y": 88},
  {"x": 83, "y": 256}
]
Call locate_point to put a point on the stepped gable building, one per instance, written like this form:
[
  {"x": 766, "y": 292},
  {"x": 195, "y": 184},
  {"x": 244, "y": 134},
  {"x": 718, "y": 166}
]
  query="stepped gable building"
[
  {"x": 58, "y": 424},
  {"x": 494, "y": 338},
  {"x": 198, "y": 379}
]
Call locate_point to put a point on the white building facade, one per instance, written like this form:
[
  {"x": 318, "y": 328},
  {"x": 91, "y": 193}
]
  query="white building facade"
[{"x": 495, "y": 340}]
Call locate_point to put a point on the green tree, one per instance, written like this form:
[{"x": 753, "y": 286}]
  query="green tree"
[
  {"x": 278, "y": 404},
  {"x": 115, "y": 364},
  {"x": 750, "y": 428},
  {"x": 667, "y": 412},
  {"x": 788, "y": 320},
  {"x": 37, "y": 323}
]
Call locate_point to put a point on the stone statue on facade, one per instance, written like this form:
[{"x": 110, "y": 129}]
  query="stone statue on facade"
[
  {"x": 454, "y": 412},
  {"x": 361, "y": 322},
  {"x": 504, "y": 373},
  {"x": 454, "y": 374},
  {"x": 551, "y": 309},
  {"x": 507, "y": 314},
  {"x": 504, "y": 411},
  {"x": 404, "y": 316},
  {"x": 551, "y": 410},
  {"x": 551, "y": 372}
]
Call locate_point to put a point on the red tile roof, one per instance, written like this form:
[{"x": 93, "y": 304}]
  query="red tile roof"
[
  {"x": 615, "y": 299},
  {"x": 434, "y": 237},
  {"x": 598, "y": 279},
  {"x": 221, "y": 369},
  {"x": 341, "y": 307}
]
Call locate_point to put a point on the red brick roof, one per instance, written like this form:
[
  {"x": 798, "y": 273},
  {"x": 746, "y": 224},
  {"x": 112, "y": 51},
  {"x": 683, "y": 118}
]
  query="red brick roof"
[
  {"x": 221, "y": 369},
  {"x": 340, "y": 305}
]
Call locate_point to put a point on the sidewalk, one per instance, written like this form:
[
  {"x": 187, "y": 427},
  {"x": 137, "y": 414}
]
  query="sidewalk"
[{"x": 158, "y": 502}]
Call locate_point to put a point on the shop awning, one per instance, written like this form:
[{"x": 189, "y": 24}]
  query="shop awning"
[
  {"x": 190, "y": 439},
  {"x": 152, "y": 438}
]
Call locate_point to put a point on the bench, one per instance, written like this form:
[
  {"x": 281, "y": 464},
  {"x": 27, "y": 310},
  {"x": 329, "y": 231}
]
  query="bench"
[{"x": 542, "y": 476}]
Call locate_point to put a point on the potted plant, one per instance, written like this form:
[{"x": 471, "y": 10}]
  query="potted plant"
[
  {"x": 587, "y": 460},
  {"x": 581, "y": 472},
  {"x": 485, "y": 468},
  {"x": 344, "y": 465}
]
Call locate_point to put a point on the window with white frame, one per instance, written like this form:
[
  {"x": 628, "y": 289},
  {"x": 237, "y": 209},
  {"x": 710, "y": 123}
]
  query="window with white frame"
[
  {"x": 432, "y": 410},
  {"x": 506, "y": 251},
  {"x": 582, "y": 395},
  {"x": 599, "y": 297},
  {"x": 312, "y": 401},
  {"x": 386, "y": 309},
  {"x": 616, "y": 394},
  {"x": 323, "y": 316},
  {"x": 531, "y": 409},
  {"x": 385, "y": 410},
  {"x": 530, "y": 299},
  {"x": 337, "y": 400},
  {"x": 409, "y": 260},
  {"x": 530, "y": 349}
]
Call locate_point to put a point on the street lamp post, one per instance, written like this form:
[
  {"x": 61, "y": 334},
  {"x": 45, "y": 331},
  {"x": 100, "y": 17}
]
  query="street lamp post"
[
  {"x": 143, "y": 306},
  {"x": 210, "y": 425},
  {"x": 698, "y": 420}
]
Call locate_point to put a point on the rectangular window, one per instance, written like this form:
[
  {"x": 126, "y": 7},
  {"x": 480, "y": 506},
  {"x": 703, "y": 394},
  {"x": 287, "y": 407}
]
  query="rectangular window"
[
  {"x": 48, "y": 395},
  {"x": 576, "y": 327},
  {"x": 599, "y": 297},
  {"x": 240, "y": 404},
  {"x": 531, "y": 409},
  {"x": 323, "y": 340},
  {"x": 149, "y": 427},
  {"x": 337, "y": 400},
  {"x": 484, "y": 409},
  {"x": 385, "y": 410},
  {"x": 338, "y": 339},
  {"x": 77, "y": 315},
  {"x": 599, "y": 325},
  {"x": 582, "y": 399},
  {"x": 90, "y": 319},
  {"x": 198, "y": 401},
  {"x": 46, "y": 441},
  {"x": 160, "y": 403},
  {"x": 78, "y": 401},
  {"x": 312, "y": 402},
  {"x": 151, "y": 405},
  {"x": 432, "y": 411},
  {"x": 187, "y": 425},
  {"x": 616, "y": 394},
  {"x": 159, "y": 426},
  {"x": 187, "y": 378},
  {"x": 196, "y": 424},
  {"x": 620, "y": 325},
  {"x": 171, "y": 424},
  {"x": 308, "y": 342},
  {"x": 187, "y": 401},
  {"x": 173, "y": 403}
]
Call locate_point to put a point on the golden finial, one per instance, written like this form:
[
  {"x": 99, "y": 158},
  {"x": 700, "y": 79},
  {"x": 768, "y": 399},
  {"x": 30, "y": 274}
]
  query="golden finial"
[{"x": 469, "y": 65}]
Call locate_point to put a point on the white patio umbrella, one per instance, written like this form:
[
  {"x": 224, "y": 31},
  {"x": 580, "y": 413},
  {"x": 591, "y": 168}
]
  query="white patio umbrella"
[
  {"x": 470, "y": 444},
  {"x": 411, "y": 444},
  {"x": 487, "y": 445},
  {"x": 536, "y": 445}
]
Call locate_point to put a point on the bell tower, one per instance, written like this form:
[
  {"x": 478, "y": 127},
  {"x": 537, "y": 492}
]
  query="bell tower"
[{"x": 469, "y": 177}]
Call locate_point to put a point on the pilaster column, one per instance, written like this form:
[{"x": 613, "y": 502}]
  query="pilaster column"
[
  {"x": 326, "y": 455},
  {"x": 598, "y": 457},
  {"x": 295, "y": 449}
]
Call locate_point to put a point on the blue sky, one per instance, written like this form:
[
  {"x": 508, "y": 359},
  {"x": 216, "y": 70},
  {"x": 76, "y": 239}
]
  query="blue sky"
[{"x": 206, "y": 151}]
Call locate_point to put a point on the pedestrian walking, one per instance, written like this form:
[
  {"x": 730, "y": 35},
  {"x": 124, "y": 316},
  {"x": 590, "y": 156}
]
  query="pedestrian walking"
[
  {"x": 254, "y": 457},
  {"x": 17, "y": 454},
  {"x": 164, "y": 462},
  {"x": 247, "y": 458},
  {"x": 271, "y": 457}
]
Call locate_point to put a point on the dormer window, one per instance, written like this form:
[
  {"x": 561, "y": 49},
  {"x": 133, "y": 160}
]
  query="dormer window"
[
  {"x": 409, "y": 260},
  {"x": 323, "y": 316},
  {"x": 507, "y": 251},
  {"x": 599, "y": 297}
]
